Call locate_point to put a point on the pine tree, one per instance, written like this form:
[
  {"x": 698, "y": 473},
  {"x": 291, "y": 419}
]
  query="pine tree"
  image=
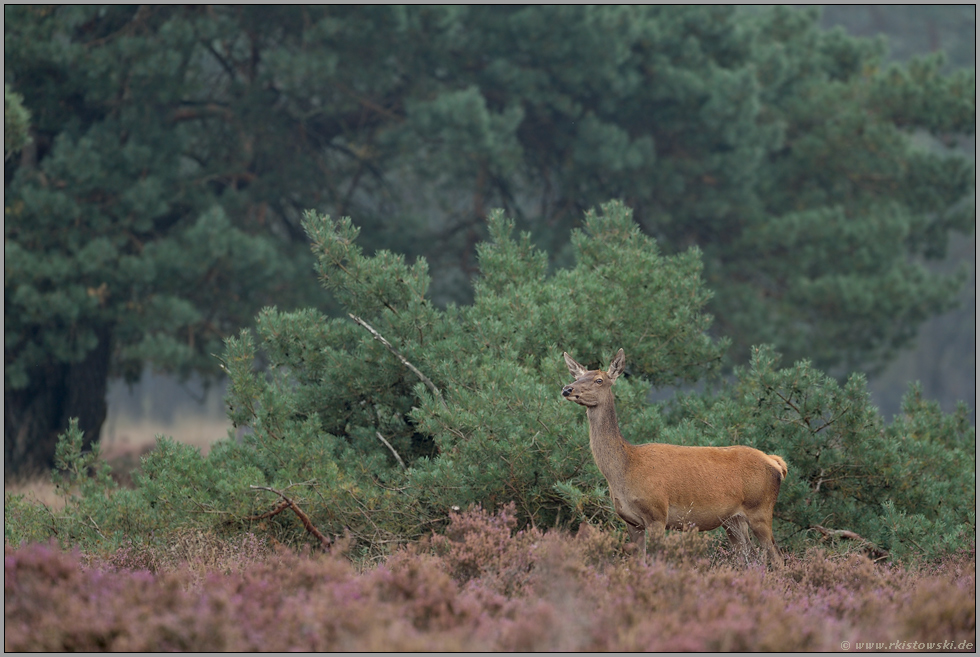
[{"x": 125, "y": 239}]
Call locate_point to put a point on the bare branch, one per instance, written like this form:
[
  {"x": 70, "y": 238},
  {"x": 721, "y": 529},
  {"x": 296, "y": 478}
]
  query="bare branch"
[
  {"x": 833, "y": 419},
  {"x": 96, "y": 527},
  {"x": 789, "y": 403},
  {"x": 380, "y": 338},
  {"x": 303, "y": 518},
  {"x": 388, "y": 445},
  {"x": 846, "y": 534},
  {"x": 268, "y": 514}
]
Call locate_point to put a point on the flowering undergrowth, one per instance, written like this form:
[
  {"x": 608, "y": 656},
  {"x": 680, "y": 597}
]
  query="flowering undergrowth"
[{"x": 478, "y": 586}]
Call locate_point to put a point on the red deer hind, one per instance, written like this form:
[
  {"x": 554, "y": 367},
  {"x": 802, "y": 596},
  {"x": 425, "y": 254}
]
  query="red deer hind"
[{"x": 656, "y": 486}]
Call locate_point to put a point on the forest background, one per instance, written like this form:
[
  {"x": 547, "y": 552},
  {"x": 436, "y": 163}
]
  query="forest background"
[{"x": 143, "y": 399}]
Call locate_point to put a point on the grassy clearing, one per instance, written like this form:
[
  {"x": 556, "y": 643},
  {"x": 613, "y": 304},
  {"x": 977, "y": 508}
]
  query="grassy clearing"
[
  {"x": 122, "y": 443},
  {"x": 36, "y": 488},
  {"x": 124, "y": 435}
]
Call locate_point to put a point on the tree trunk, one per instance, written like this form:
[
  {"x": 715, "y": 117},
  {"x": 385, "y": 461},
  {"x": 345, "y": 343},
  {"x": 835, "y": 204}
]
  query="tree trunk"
[{"x": 33, "y": 417}]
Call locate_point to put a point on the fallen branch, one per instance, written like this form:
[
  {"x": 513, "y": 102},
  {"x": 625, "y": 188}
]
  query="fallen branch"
[
  {"x": 380, "y": 338},
  {"x": 276, "y": 511},
  {"x": 388, "y": 445},
  {"x": 846, "y": 534},
  {"x": 288, "y": 503}
]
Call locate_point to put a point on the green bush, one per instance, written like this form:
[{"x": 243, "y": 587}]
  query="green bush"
[
  {"x": 486, "y": 425},
  {"x": 460, "y": 406}
]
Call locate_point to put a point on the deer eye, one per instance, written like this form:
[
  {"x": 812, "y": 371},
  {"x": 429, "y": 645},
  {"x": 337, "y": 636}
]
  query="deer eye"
[{"x": 599, "y": 381}]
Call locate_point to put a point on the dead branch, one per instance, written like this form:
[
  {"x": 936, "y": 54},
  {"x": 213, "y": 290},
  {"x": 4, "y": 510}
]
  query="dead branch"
[
  {"x": 388, "y": 445},
  {"x": 268, "y": 514},
  {"x": 380, "y": 338},
  {"x": 303, "y": 518},
  {"x": 96, "y": 526},
  {"x": 847, "y": 535}
]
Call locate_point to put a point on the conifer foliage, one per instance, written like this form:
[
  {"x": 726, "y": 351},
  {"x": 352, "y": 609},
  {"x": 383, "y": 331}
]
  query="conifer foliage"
[{"x": 480, "y": 422}]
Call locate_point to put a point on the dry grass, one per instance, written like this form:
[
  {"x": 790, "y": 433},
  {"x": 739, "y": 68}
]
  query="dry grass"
[
  {"x": 123, "y": 442},
  {"x": 37, "y": 488},
  {"x": 125, "y": 435}
]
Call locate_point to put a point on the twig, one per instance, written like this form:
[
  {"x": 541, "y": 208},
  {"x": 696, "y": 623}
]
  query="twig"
[
  {"x": 303, "y": 518},
  {"x": 96, "y": 526},
  {"x": 388, "y": 445},
  {"x": 364, "y": 512},
  {"x": 380, "y": 338},
  {"x": 832, "y": 420},
  {"x": 789, "y": 403}
]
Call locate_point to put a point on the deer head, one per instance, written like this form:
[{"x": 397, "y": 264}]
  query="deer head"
[{"x": 592, "y": 387}]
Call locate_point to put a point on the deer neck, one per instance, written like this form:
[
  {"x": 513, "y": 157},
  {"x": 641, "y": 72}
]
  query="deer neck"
[{"x": 609, "y": 449}]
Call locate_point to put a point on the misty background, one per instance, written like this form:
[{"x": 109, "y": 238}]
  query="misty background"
[{"x": 942, "y": 357}]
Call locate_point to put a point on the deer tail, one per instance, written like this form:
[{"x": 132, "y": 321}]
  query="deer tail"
[{"x": 779, "y": 464}]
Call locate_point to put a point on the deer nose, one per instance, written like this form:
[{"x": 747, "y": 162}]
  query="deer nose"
[{"x": 566, "y": 391}]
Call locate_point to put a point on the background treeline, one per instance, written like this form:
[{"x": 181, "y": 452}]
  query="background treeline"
[
  {"x": 943, "y": 356},
  {"x": 781, "y": 185}
]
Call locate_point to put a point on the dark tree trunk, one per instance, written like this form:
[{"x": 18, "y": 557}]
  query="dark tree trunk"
[{"x": 34, "y": 417}]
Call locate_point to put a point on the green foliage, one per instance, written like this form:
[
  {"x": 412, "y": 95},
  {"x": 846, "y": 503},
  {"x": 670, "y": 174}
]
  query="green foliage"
[
  {"x": 79, "y": 472},
  {"x": 26, "y": 521},
  {"x": 16, "y": 123},
  {"x": 131, "y": 234},
  {"x": 913, "y": 29},
  {"x": 367, "y": 446}
]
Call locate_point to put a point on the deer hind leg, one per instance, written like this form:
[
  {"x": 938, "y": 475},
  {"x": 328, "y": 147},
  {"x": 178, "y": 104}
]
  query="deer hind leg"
[
  {"x": 737, "y": 528},
  {"x": 762, "y": 528}
]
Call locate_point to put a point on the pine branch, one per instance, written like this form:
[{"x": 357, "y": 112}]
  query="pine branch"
[
  {"x": 388, "y": 445},
  {"x": 380, "y": 338}
]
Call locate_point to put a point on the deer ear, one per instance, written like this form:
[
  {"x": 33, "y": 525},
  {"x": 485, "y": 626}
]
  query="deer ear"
[
  {"x": 617, "y": 366},
  {"x": 573, "y": 367}
]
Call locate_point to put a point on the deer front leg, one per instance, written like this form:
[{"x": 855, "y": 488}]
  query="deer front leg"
[
  {"x": 637, "y": 537},
  {"x": 634, "y": 526},
  {"x": 656, "y": 531}
]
